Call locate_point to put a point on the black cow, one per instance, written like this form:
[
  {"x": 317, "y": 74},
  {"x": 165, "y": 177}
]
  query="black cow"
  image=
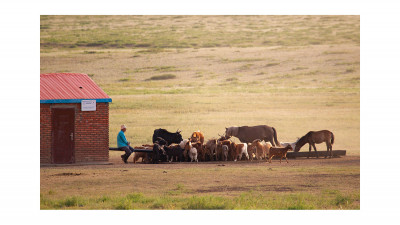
[
  {"x": 158, "y": 153},
  {"x": 167, "y": 136},
  {"x": 158, "y": 150},
  {"x": 174, "y": 151}
]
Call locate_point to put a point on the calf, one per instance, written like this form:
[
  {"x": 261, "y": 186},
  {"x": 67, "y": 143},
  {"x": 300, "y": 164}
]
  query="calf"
[
  {"x": 157, "y": 152},
  {"x": 225, "y": 151},
  {"x": 280, "y": 152},
  {"x": 211, "y": 148},
  {"x": 251, "y": 150},
  {"x": 239, "y": 151},
  {"x": 199, "y": 148},
  {"x": 261, "y": 149},
  {"x": 183, "y": 143},
  {"x": 197, "y": 136},
  {"x": 219, "y": 152},
  {"x": 174, "y": 151},
  {"x": 192, "y": 153},
  {"x": 293, "y": 144},
  {"x": 143, "y": 155}
]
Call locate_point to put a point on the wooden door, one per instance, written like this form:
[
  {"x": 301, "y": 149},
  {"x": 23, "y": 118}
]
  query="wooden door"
[{"x": 63, "y": 135}]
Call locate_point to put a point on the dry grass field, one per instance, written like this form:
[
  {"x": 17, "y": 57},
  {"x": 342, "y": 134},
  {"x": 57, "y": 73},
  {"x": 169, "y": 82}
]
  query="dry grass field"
[{"x": 295, "y": 73}]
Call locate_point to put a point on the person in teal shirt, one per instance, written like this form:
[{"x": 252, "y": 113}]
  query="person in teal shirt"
[{"x": 123, "y": 144}]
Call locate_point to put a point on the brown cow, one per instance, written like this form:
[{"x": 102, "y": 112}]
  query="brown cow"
[
  {"x": 239, "y": 151},
  {"x": 143, "y": 155},
  {"x": 280, "y": 152},
  {"x": 218, "y": 155},
  {"x": 197, "y": 136},
  {"x": 251, "y": 150},
  {"x": 210, "y": 148},
  {"x": 262, "y": 149},
  {"x": 199, "y": 147}
]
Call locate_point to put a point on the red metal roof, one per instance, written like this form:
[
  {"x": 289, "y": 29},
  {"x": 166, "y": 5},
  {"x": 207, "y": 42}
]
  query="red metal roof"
[{"x": 69, "y": 86}]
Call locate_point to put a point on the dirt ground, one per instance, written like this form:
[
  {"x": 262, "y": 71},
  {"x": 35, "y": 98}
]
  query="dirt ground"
[{"x": 217, "y": 178}]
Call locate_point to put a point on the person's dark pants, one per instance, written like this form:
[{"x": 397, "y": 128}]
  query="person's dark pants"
[{"x": 128, "y": 151}]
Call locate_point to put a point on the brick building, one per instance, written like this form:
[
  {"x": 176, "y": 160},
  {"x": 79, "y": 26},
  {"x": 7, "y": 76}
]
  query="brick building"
[{"x": 74, "y": 119}]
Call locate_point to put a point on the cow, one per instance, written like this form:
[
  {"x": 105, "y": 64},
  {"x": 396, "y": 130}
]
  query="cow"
[
  {"x": 251, "y": 150},
  {"x": 280, "y": 152},
  {"x": 192, "y": 153},
  {"x": 239, "y": 151},
  {"x": 197, "y": 136},
  {"x": 210, "y": 148},
  {"x": 167, "y": 136},
  {"x": 248, "y": 134},
  {"x": 225, "y": 151},
  {"x": 174, "y": 152},
  {"x": 293, "y": 144},
  {"x": 262, "y": 149},
  {"x": 143, "y": 155},
  {"x": 158, "y": 150},
  {"x": 218, "y": 154},
  {"x": 199, "y": 149}
]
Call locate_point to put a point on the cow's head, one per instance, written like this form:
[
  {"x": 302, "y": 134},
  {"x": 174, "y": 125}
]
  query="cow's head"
[{"x": 223, "y": 137}]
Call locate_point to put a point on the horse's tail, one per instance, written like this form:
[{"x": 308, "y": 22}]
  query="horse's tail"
[
  {"x": 275, "y": 138},
  {"x": 332, "y": 138}
]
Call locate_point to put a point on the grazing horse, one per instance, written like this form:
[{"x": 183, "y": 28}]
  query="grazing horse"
[{"x": 316, "y": 137}]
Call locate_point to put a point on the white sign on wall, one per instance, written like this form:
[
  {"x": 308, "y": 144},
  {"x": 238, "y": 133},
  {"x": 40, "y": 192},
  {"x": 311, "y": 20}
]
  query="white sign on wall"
[{"x": 88, "y": 105}]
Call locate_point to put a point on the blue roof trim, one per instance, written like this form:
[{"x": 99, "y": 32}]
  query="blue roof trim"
[{"x": 50, "y": 101}]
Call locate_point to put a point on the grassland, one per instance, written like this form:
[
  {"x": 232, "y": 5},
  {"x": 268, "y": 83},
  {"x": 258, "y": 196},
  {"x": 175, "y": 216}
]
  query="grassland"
[{"x": 296, "y": 73}]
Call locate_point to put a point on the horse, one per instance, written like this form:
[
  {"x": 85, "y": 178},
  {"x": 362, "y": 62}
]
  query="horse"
[
  {"x": 248, "y": 134},
  {"x": 316, "y": 137}
]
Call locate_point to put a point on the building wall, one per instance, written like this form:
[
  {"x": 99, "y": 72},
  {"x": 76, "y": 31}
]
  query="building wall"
[
  {"x": 91, "y": 132},
  {"x": 45, "y": 133}
]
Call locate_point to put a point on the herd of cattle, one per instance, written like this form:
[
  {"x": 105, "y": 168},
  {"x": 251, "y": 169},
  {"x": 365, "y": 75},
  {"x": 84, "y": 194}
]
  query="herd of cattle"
[{"x": 258, "y": 142}]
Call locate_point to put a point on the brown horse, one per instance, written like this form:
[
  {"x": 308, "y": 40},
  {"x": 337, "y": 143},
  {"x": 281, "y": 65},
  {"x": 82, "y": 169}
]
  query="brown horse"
[{"x": 316, "y": 137}]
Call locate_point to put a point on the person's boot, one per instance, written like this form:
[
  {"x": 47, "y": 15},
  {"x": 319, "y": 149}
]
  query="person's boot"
[{"x": 124, "y": 158}]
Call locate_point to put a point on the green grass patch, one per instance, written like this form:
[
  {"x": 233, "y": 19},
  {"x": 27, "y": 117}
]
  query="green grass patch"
[
  {"x": 162, "y": 77},
  {"x": 330, "y": 199},
  {"x": 300, "y": 68},
  {"x": 231, "y": 79},
  {"x": 272, "y": 64},
  {"x": 124, "y": 79},
  {"x": 334, "y": 52},
  {"x": 226, "y": 60}
]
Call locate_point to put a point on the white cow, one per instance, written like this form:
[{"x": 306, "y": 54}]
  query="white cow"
[
  {"x": 192, "y": 153},
  {"x": 292, "y": 144}
]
